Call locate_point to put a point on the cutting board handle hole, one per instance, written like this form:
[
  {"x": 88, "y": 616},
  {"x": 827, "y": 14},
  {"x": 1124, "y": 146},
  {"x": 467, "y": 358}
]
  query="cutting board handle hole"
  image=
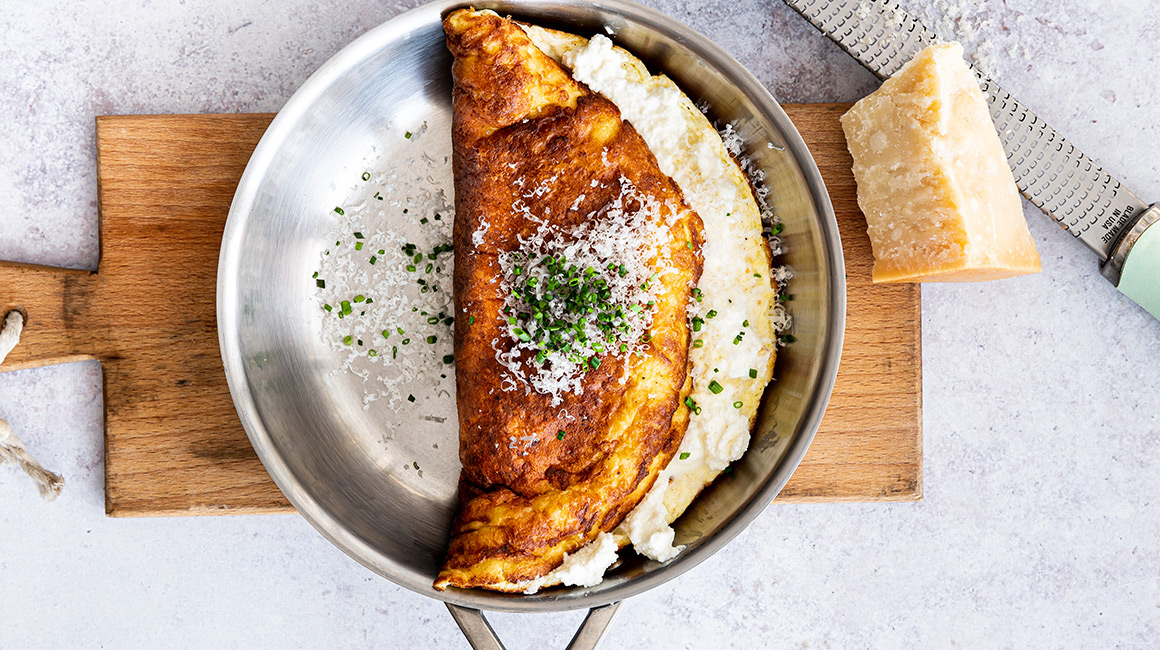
[{"x": 23, "y": 313}]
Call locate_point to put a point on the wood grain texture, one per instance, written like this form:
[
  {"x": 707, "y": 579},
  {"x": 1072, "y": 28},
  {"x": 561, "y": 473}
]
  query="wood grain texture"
[
  {"x": 869, "y": 447},
  {"x": 173, "y": 443}
]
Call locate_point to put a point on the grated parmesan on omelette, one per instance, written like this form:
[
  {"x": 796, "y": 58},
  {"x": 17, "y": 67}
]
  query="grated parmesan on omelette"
[{"x": 623, "y": 236}]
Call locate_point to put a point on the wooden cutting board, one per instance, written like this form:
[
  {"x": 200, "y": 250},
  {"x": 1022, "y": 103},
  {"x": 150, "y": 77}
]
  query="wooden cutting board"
[{"x": 173, "y": 443}]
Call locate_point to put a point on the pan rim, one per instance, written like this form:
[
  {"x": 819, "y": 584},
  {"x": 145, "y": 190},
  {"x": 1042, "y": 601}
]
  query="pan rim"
[{"x": 332, "y": 529}]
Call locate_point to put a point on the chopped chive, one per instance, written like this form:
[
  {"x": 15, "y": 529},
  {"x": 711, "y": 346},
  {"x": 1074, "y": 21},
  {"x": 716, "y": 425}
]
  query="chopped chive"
[
  {"x": 360, "y": 342},
  {"x": 411, "y": 267},
  {"x": 787, "y": 338},
  {"x": 410, "y": 398},
  {"x": 697, "y": 323},
  {"x": 753, "y": 373},
  {"x": 321, "y": 284},
  {"x": 757, "y": 275},
  {"x": 684, "y": 455},
  {"x": 745, "y": 323},
  {"x": 737, "y": 339},
  {"x": 448, "y": 358},
  {"x": 471, "y": 320},
  {"x": 327, "y": 307},
  {"x": 360, "y": 298},
  {"x": 358, "y": 235},
  {"x": 689, "y": 244},
  {"x": 431, "y": 339},
  {"x": 407, "y": 135},
  {"x": 366, "y": 176},
  {"x": 738, "y": 404},
  {"x": 712, "y": 314},
  {"x": 715, "y": 388},
  {"x": 378, "y": 196},
  {"x": 373, "y": 259},
  {"x": 386, "y": 334},
  {"x": 698, "y": 294},
  {"x": 775, "y": 229},
  {"x": 372, "y": 353},
  {"x": 423, "y": 220},
  {"x": 560, "y": 435},
  {"x": 315, "y": 274},
  {"x": 406, "y": 341},
  {"x": 339, "y": 211},
  {"x": 394, "y": 352},
  {"x": 698, "y": 343},
  {"x": 358, "y": 245},
  {"x": 347, "y": 340}
]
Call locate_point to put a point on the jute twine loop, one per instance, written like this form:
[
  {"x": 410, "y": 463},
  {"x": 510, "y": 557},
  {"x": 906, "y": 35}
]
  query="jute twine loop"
[{"x": 12, "y": 449}]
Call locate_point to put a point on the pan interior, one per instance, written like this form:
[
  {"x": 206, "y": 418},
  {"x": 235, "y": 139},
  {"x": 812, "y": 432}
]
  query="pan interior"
[{"x": 353, "y": 471}]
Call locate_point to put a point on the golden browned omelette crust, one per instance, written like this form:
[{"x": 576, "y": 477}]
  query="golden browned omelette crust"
[{"x": 520, "y": 121}]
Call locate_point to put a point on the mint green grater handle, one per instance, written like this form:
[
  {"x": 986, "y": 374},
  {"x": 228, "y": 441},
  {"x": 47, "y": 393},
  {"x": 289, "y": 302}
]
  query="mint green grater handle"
[{"x": 1140, "y": 277}]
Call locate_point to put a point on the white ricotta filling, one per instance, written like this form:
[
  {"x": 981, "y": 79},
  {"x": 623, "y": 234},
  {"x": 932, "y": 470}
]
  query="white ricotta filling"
[
  {"x": 720, "y": 433},
  {"x": 584, "y": 568}
]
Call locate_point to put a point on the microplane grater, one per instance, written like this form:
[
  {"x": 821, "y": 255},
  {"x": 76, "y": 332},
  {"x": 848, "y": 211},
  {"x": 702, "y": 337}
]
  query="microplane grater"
[{"x": 1050, "y": 171}]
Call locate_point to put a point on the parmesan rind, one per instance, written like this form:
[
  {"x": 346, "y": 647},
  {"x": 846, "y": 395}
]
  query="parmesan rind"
[{"x": 735, "y": 282}]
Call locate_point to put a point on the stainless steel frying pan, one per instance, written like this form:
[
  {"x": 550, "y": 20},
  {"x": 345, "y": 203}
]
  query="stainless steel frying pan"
[{"x": 306, "y": 422}]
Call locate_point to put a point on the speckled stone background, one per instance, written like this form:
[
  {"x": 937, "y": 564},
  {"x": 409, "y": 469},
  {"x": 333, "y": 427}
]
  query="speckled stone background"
[{"x": 1040, "y": 526}]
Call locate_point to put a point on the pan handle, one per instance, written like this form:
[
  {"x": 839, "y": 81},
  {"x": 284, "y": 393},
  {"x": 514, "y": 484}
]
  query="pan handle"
[{"x": 481, "y": 636}]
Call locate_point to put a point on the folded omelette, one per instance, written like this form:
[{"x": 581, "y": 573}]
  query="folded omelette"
[{"x": 576, "y": 259}]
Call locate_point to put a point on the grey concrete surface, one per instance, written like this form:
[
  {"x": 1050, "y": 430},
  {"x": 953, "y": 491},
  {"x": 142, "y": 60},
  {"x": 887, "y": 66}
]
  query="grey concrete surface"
[{"x": 1041, "y": 517}]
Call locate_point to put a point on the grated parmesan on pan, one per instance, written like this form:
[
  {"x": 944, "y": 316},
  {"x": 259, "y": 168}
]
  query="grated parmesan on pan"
[{"x": 394, "y": 303}]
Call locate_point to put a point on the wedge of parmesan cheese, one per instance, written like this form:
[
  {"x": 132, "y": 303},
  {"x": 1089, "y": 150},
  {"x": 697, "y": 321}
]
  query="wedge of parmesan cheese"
[{"x": 939, "y": 198}]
